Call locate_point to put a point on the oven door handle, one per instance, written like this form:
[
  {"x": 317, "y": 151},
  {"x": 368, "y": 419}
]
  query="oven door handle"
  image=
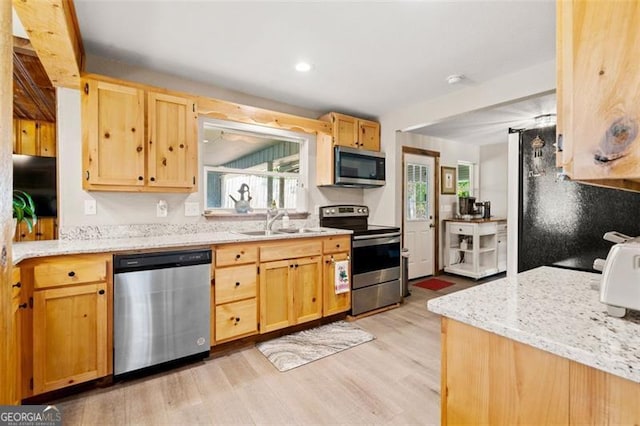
[
  {"x": 376, "y": 241},
  {"x": 374, "y": 236}
]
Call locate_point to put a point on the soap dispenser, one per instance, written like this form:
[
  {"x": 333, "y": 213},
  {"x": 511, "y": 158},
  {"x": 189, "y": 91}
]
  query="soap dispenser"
[{"x": 285, "y": 220}]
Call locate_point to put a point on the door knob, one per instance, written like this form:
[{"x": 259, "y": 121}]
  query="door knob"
[{"x": 431, "y": 225}]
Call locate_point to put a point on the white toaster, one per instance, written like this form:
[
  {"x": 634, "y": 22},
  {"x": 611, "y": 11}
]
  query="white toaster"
[{"x": 620, "y": 285}]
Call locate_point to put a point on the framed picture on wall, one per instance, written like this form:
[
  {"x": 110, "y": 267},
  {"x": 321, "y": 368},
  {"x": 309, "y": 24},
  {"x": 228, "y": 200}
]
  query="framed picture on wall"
[{"x": 448, "y": 180}]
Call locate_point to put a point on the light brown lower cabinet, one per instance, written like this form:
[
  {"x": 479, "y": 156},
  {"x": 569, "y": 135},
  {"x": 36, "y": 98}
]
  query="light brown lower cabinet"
[
  {"x": 489, "y": 379},
  {"x": 69, "y": 336},
  {"x": 290, "y": 292},
  {"x": 65, "y": 329},
  {"x": 235, "y": 302},
  {"x": 334, "y": 303}
]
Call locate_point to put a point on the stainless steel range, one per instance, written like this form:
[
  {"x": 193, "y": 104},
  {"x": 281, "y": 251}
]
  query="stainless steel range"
[{"x": 375, "y": 260}]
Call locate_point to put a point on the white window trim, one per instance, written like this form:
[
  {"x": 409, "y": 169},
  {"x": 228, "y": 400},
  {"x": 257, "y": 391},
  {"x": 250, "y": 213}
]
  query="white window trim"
[{"x": 285, "y": 135}]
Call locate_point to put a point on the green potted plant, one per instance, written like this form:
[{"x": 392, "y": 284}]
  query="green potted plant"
[{"x": 24, "y": 209}]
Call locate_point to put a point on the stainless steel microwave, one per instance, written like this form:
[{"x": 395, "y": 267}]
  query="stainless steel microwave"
[{"x": 358, "y": 167}]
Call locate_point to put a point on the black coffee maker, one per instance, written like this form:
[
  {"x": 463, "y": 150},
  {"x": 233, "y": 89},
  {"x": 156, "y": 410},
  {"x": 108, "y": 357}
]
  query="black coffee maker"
[{"x": 484, "y": 208}]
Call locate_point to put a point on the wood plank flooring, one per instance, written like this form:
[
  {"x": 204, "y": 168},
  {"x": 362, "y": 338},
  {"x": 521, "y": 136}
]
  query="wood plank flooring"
[{"x": 395, "y": 379}]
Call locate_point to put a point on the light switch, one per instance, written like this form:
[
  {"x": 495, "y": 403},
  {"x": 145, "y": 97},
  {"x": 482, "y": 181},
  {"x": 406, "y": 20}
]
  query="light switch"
[
  {"x": 90, "y": 207},
  {"x": 192, "y": 209}
]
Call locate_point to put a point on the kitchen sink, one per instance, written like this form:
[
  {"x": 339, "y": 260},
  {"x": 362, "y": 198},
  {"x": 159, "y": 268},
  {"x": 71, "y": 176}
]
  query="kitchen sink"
[
  {"x": 257, "y": 233},
  {"x": 298, "y": 230}
]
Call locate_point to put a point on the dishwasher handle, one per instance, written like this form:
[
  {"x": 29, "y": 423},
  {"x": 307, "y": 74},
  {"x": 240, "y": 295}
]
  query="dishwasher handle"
[{"x": 160, "y": 260}]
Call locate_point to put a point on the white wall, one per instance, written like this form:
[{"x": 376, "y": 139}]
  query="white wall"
[
  {"x": 493, "y": 177},
  {"x": 450, "y": 153},
  {"x": 385, "y": 203},
  {"x": 116, "y": 208}
]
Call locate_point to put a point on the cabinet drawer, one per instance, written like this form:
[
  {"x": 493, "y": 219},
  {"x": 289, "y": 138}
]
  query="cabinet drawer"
[
  {"x": 69, "y": 271},
  {"x": 336, "y": 244},
  {"x": 290, "y": 250},
  {"x": 236, "y": 255},
  {"x": 462, "y": 229},
  {"x": 487, "y": 228},
  {"x": 502, "y": 227},
  {"x": 236, "y": 319},
  {"x": 235, "y": 283}
]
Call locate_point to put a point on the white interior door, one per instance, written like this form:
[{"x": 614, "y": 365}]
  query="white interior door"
[{"x": 419, "y": 226}]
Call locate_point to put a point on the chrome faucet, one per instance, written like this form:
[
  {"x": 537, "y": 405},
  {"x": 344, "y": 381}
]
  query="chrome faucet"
[{"x": 269, "y": 223}]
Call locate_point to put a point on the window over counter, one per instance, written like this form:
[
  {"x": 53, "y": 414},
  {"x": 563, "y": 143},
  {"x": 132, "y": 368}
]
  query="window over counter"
[{"x": 246, "y": 168}]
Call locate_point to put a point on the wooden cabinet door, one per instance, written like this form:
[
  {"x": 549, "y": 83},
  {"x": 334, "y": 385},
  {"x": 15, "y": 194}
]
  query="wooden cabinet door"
[
  {"x": 27, "y": 143},
  {"x": 603, "y": 107},
  {"x": 345, "y": 130},
  {"x": 46, "y": 229},
  {"x": 112, "y": 135},
  {"x": 69, "y": 336},
  {"x": 369, "y": 135},
  {"x": 13, "y": 367},
  {"x": 307, "y": 289},
  {"x": 276, "y": 309},
  {"x": 16, "y": 135},
  {"x": 46, "y": 139},
  {"x": 172, "y": 141},
  {"x": 23, "y": 233},
  {"x": 333, "y": 303}
]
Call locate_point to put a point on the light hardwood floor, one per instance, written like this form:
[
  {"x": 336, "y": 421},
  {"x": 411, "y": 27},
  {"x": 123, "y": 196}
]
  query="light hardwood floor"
[{"x": 395, "y": 379}]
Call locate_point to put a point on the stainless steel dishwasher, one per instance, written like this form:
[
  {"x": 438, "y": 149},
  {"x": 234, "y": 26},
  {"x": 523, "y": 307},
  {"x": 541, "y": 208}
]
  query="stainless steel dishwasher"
[{"x": 161, "y": 308}]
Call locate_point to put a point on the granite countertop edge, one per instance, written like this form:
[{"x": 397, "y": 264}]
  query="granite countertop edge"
[
  {"x": 600, "y": 341},
  {"x": 34, "y": 249}
]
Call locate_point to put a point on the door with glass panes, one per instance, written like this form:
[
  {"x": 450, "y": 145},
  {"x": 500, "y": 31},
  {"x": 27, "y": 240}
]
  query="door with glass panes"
[{"x": 419, "y": 222}]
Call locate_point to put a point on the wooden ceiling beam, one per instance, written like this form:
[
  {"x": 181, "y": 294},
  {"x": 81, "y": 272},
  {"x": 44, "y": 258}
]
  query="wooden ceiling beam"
[{"x": 53, "y": 30}]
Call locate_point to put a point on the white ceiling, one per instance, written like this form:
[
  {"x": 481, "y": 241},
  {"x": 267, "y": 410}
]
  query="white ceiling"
[
  {"x": 491, "y": 125},
  {"x": 368, "y": 57}
]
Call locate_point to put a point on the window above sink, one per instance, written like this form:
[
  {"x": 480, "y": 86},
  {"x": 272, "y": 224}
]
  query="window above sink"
[{"x": 248, "y": 163}]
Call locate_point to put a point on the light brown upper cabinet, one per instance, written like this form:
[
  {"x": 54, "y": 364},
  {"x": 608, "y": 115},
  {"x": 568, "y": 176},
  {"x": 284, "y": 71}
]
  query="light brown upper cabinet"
[
  {"x": 598, "y": 91},
  {"x": 31, "y": 137},
  {"x": 120, "y": 153},
  {"x": 354, "y": 132}
]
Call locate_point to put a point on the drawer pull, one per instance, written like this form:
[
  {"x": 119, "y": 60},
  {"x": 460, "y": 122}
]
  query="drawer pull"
[
  {"x": 237, "y": 284},
  {"x": 22, "y": 306},
  {"x": 337, "y": 245},
  {"x": 237, "y": 256},
  {"x": 71, "y": 274},
  {"x": 313, "y": 300},
  {"x": 101, "y": 291},
  {"x": 17, "y": 285}
]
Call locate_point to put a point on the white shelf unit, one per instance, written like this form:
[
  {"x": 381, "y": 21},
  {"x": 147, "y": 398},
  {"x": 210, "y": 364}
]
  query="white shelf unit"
[{"x": 482, "y": 256}]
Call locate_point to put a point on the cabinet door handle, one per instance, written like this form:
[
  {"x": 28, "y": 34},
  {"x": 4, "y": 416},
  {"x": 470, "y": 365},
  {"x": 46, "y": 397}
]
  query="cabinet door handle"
[
  {"x": 140, "y": 178},
  {"x": 152, "y": 179},
  {"x": 71, "y": 274},
  {"x": 17, "y": 285},
  {"x": 237, "y": 284},
  {"x": 237, "y": 256},
  {"x": 101, "y": 291},
  {"x": 22, "y": 306}
]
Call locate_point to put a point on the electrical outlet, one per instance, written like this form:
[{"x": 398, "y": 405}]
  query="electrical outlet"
[
  {"x": 90, "y": 207},
  {"x": 192, "y": 209},
  {"x": 162, "y": 208}
]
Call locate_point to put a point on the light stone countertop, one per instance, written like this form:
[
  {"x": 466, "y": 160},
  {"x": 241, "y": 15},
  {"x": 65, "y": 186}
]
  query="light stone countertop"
[
  {"x": 26, "y": 250},
  {"x": 556, "y": 310}
]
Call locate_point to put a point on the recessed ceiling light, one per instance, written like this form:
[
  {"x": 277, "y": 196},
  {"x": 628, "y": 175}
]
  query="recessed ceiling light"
[
  {"x": 455, "y": 78},
  {"x": 303, "y": 67}
]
